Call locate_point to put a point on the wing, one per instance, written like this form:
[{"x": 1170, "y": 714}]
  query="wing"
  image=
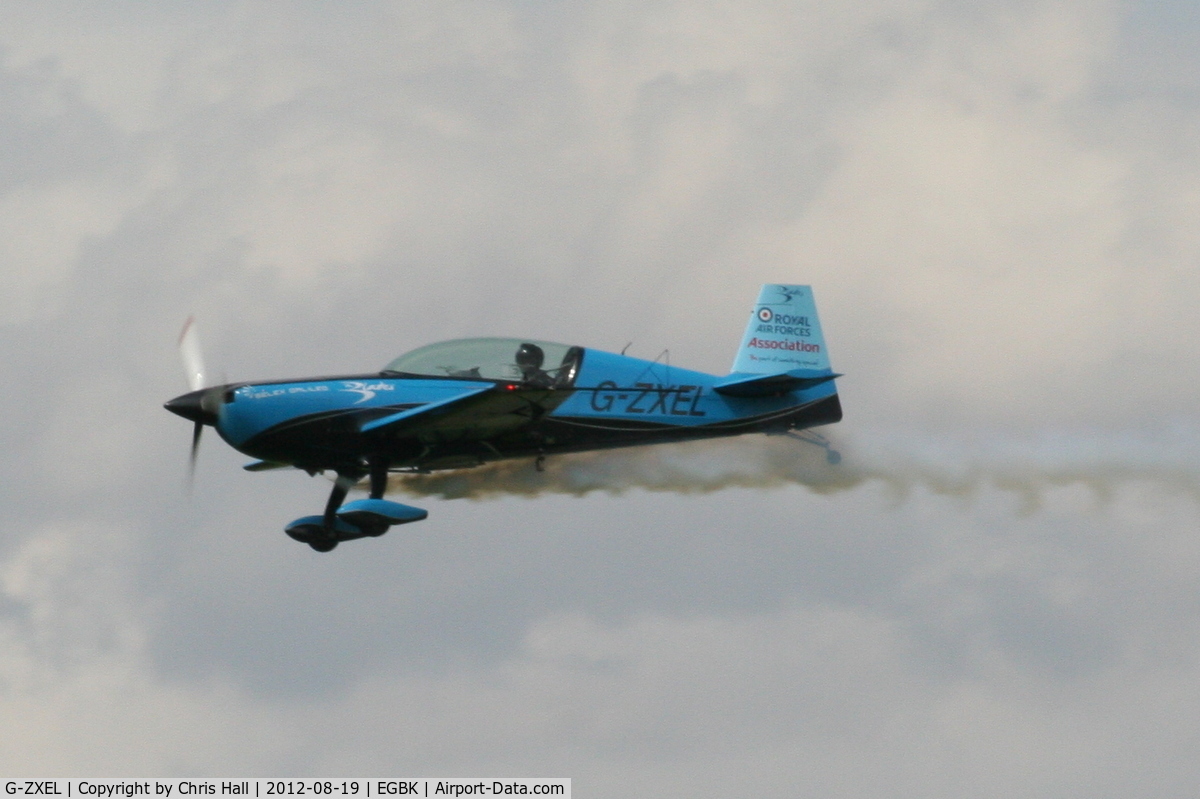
[
  {"x": 430, "y": 408},
  {"x": 476, "y": 412}
]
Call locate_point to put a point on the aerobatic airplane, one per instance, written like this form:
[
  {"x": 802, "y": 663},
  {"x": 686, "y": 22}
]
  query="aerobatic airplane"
[{"x": 463, "y": 403}]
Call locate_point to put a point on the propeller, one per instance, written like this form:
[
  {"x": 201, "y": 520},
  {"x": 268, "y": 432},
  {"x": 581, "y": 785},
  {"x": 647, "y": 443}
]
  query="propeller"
[
  {"x": 192, "y": 356},
  {"x": 202, "y": 403}
]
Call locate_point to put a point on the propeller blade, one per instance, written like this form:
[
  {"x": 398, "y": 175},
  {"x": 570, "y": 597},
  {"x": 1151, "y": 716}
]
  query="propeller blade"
[
  {"x": 192, "y": 356},
  {"x": 196, "y": 433}
]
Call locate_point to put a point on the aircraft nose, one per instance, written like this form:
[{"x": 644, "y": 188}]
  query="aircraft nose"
[{"x": 197, "y": 406}]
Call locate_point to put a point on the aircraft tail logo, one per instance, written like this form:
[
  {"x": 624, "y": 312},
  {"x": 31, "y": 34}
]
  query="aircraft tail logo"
[{"x": 783, "y": 334}]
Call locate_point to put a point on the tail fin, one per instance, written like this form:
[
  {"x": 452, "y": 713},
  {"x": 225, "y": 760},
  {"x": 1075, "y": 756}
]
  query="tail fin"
[{"x": 783, "y": 335}]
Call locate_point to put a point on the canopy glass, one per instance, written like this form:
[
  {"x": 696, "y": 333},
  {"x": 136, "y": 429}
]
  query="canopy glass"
[{"x": 539, "y": 363}]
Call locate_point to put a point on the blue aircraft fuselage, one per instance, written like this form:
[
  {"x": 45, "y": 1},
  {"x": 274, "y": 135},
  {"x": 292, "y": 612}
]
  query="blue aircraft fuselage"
[{"x": 615, "y": 401}]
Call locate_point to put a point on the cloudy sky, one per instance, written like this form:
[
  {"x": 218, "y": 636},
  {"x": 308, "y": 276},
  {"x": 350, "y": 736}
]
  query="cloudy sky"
[{"x": 996, "y": 203}]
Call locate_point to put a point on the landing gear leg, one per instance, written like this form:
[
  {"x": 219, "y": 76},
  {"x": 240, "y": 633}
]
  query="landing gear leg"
[
  {"x": 337, "y": 496},
  {"x": 379, "y": 481},
  {"x": 379, "y": 478},
  {"x": 540, "y": 462}
]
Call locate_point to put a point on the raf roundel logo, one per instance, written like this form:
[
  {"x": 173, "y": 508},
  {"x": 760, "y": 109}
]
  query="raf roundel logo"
[{"x": 765, "y": 315}]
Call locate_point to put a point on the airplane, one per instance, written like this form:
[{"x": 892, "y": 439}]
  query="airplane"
[{"x": 463, "y": 403}]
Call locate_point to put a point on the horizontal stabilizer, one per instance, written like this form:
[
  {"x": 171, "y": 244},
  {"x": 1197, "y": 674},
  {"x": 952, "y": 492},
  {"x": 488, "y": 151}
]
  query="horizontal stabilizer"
[
  {"x": 741, "y": 384},
  {"x": 400, "y": 416}
]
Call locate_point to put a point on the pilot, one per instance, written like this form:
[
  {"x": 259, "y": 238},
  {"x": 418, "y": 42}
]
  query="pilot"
[{"x": 529, "y": 360}]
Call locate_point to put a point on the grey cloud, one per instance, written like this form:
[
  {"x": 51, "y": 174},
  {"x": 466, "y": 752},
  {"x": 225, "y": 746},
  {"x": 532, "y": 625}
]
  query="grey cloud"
[{"x": 326, "y": 189}]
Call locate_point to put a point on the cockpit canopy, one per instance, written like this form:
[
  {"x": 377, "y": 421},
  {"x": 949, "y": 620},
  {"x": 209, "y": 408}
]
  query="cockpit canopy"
[{"x": 537, "y": 363}]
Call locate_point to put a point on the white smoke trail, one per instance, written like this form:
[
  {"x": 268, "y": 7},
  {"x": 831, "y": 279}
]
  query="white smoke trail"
[{"x": 1027, "y": 468}]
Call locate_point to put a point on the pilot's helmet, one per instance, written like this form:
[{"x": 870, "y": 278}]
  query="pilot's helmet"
[{"x": 530, "y": 356}]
